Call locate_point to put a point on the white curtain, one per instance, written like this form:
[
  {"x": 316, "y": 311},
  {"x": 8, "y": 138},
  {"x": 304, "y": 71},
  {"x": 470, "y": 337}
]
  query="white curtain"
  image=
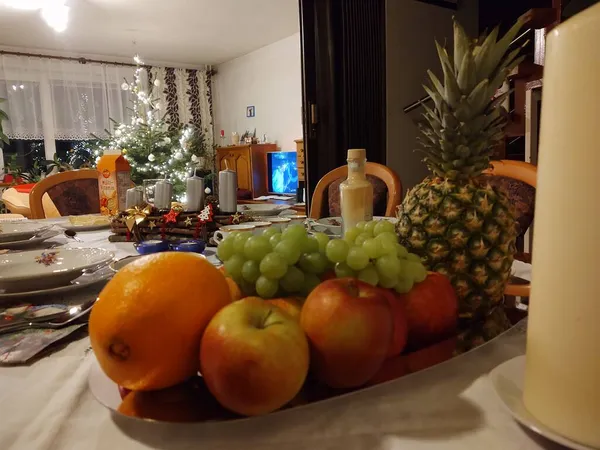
[{"x": 61, "y": 100}]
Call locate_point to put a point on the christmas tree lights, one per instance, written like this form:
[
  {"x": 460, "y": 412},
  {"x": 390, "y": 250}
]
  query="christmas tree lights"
[{"x": 153, "y": 147}]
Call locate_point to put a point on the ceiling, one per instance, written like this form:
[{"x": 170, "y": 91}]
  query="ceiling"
[{"x": 182, "y": 32}]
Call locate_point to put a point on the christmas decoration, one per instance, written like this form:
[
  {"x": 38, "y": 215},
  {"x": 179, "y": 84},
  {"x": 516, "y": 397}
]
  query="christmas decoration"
[
  {"x": 206, "y": 215},
  {"x": 174, "y": 226},
  {"x": 171, "y": 217},
  {"x": 153, "y": 147},
  {"x": 236, "y": 218}
]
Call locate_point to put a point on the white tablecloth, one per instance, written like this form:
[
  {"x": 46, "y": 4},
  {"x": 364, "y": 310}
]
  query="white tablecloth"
[{"x": 47, "y": 405}]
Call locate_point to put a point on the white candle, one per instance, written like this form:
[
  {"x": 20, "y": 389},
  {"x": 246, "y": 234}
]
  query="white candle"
[
  {"x": 135, "y": 197},
  {"x": 194, "y": 193},
  {"x": 562, "y": 382},
  {"x": 163, "y": 194}
]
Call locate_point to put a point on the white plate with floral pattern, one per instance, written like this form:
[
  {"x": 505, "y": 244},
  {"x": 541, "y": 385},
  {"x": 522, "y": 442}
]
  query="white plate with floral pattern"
[
  {"x": 20, "y": 231},
  {"x": 42, "y": 269}
]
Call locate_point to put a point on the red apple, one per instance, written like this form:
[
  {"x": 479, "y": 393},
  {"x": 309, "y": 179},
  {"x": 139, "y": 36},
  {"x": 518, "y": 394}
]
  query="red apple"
[
  {"x": 349, "y": 326},
  {"x": 254, "y": 357},
  {"x": 431, "y": 310},
  {"x": 398, "y": 311}
]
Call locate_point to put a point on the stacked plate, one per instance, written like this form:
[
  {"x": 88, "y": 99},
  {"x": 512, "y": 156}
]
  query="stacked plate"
[
  {"x": 22, "y": 234},
  {"x": 53, "y": 271}
]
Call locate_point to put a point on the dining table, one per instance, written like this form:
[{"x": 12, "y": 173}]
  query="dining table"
[{"x": 46, "y": 404}]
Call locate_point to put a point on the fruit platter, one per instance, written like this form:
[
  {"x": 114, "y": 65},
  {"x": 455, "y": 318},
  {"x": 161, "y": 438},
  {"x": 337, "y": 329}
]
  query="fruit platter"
[
  {"x": 293, "y": 318},
  {"x": 290, "y": 318}
]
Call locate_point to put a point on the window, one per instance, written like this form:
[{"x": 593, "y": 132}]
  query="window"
[{"x": 56, "y": 107}]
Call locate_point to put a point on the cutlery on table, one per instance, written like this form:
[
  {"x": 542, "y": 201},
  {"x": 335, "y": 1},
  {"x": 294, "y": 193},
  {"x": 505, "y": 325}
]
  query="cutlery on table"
[
  {"x": 55, "y": 321},
  {"x": 71, "y": 234}
]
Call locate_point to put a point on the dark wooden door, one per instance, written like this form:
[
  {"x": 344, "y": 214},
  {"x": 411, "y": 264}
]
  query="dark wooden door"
[{"x": 344, "y": 85}]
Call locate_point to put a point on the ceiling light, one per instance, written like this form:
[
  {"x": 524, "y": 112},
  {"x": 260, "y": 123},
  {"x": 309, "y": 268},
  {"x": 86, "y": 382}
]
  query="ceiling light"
[
  {"x": 24, "y": 4},
  {"x": 56, "y": 16},
  {"x": 54, "y": 12}
]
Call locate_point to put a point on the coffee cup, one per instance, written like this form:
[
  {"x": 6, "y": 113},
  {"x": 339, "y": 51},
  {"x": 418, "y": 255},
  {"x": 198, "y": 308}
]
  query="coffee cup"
[
  {"x": 297, "y": 219},
  {"x": 279, "y": 222},
  {"x": 259, "y": 227},
  {"x": 225, "y": 231}
]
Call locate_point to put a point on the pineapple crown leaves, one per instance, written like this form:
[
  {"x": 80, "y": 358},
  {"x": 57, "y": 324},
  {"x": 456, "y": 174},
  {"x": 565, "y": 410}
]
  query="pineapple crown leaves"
[{"x": 459, "y": 133}]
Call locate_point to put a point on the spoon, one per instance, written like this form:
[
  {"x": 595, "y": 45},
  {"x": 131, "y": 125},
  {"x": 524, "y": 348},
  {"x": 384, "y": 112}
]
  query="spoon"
[
  {"x": 72, "y": 234},
  {"x": 57, "y": 321}
]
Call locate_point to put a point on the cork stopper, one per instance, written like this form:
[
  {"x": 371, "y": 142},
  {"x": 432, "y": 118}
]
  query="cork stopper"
[{"x": 357, "y": 153}]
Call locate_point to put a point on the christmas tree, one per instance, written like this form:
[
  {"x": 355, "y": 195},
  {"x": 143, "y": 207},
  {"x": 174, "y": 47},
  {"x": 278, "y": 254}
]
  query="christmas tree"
[{"x": 154, "y": 147}]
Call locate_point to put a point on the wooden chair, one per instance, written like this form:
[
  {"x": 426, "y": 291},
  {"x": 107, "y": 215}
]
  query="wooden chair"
[
  {"x": 385, "y": 174},
  {"x": 74, "y": 193},
  {"x": 527, "y": 173}
]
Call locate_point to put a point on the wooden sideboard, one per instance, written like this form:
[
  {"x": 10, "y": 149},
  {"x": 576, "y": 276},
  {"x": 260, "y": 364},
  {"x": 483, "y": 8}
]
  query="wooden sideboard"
[
  {"x": 250, "y": 163},
  {"x": 300, "y": 159}
]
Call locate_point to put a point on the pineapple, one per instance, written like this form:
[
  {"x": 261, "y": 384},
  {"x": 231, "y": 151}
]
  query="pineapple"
[{"x": 458, "y": 224}]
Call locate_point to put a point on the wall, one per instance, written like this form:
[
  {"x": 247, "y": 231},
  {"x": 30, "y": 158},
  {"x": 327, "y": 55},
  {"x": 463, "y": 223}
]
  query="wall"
[
  {"x": 268, "y": 79},
  {"x": 412, "y": 27}
]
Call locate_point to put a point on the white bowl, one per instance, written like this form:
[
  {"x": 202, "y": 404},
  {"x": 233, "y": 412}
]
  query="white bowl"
[
  {"x": 40, "y": 269},
  {"x": 331, "y": 225},
  {"x": 19, "y": 231}
]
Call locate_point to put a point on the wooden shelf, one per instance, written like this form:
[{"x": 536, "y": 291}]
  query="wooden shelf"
[
  {"x": 541, "y": 18},
  {"x": 515, "y": 128},
  {"x": 528, "y": 70}
]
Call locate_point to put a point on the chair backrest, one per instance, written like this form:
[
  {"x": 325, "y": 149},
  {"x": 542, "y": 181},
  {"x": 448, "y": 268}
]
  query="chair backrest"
[
  {"x": 518, "y": 180},
  {"x": 518, "y": 170},
  {"x": 527, "y": 173},
  {"x": 73, "y": 193},
  {"x": 385, "y": 174}
]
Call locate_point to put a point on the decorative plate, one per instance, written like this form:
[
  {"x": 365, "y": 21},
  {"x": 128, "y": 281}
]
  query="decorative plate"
[
  {"x": 87, "y": 280},
  {"x": 507, "y": 380},
  {"x": 37, "y": 270},
  {"x": 262, "y": 209},
  {"x": 31, "y": 242},
  {"x": 20, "y": 231}
]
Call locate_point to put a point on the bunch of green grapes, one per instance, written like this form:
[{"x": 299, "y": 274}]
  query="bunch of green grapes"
[
  {"x": 275, "y": 263},
  {"x": 371, "y": 253}
]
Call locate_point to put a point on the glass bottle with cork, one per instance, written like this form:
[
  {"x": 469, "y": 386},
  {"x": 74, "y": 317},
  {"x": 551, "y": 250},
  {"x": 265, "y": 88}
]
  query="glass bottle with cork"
[{"x": 356, "y": 193}]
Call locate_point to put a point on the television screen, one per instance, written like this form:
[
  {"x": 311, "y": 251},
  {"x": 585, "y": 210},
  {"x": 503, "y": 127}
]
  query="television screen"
[{"x": 282, "y": 172}]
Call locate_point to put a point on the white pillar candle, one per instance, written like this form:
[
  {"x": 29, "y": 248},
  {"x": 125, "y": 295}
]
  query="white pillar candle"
[
  {"x": 194, "y": 193},
  {"x": 135, "y": 197},
  {"x": 562, "y": 381},
  {"x": 163, "y": 194}
]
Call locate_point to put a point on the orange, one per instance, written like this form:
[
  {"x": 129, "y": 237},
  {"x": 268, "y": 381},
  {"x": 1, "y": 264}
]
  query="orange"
[
  {"x": 146, "y": 327},
  {"x": 234, "y": 290},
  {"x": 290, "y": 305}
]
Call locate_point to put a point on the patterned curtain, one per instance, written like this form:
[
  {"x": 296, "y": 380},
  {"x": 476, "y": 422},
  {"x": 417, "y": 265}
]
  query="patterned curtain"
[{"x": 186, "y": 96}]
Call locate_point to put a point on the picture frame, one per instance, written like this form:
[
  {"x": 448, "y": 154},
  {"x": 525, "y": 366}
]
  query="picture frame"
[{"x": 250, "y": 111}]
